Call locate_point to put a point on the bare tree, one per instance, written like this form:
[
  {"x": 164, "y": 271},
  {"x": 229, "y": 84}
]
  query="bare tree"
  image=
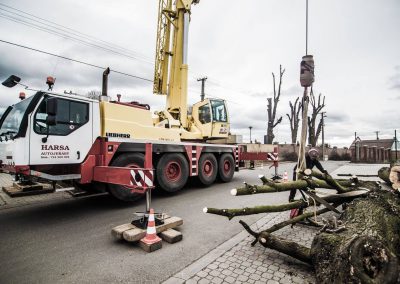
[
  {"x": 271, "y": 108},
  {"x": 93, "y": 94},
  {"x": 294, "y": 118},
  {"x": 314, "y": 130}
]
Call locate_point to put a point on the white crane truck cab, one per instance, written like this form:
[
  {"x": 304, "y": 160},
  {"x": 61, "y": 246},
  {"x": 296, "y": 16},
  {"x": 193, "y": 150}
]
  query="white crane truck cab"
[{"x": 28, "y": 137}]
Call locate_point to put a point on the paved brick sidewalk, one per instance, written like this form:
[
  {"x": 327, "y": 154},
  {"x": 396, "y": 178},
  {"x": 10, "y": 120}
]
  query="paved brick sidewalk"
[
  {"x": 242, "y": 263},
  {"x": 359, "y": 169}
]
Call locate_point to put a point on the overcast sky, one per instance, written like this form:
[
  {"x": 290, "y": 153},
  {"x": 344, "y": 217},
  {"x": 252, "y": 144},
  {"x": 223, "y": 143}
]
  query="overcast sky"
[{"x": 236, "y": 44}]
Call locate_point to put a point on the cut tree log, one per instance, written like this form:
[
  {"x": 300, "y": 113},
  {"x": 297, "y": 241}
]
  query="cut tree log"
[
  {"x": 383, "y": 174},
  {"x": 394, "y": 176},
  {"x": 367, "y": 251},
  {"x": 319, "y": 181},
  {"x": 335, "y": 198}
]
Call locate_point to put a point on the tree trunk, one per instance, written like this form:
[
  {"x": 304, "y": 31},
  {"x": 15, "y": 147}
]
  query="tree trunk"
[
  {"x": 294, "y": 118},
  {"x": 365, "y": 250},
  {"x": 394, "y": 176},
  {"x": 368, "y": 250},
  {"x": 383, "y": 173},
  {"x": 314, "y": 128},
  {"x": 272, "y": 106}
]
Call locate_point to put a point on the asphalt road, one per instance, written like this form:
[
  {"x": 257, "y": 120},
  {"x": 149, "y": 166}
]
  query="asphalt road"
[{"x": 69, "y": 241}]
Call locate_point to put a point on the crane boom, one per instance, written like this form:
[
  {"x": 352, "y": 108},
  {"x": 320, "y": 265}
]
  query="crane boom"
[
  {"x": 209, "y": 118},
  {"x": 162, "y": 47},
  {"x": 171, "y": 78}
]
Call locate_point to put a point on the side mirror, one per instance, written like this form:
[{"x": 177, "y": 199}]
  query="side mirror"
[
  {"x": 52, "y": 107},
  {"x": 11, "y": 81},
  {"x": 51, "y": 120}
]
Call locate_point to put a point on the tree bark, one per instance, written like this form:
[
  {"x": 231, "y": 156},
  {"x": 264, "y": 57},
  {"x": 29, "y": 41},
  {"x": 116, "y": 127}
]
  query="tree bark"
[
  {"x": 272, "y": 105},
  {"x": 294, "y": 118},
  {"x": 366, "y": 251},
  {"x": 287, "y": 186},
  {"x": 383, "y": 173},
  {"x": 394, "y": 176},
  {"x": 314, "y": 130},
  {"x": 335, "y": 198}
]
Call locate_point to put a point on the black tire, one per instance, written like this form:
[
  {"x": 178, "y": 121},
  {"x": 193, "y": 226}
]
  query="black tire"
[
  {"x": 172, "y": 172},
  {"x": 226, "y": 167},
  {"x": 120, "y": 192},
  {"x": 208, "y": 169}
]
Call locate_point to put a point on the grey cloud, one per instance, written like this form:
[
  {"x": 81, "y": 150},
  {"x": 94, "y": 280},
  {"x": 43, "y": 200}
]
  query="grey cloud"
[
  {"x": 394, "y": 81},
  {"x": 336, "y": 117}
]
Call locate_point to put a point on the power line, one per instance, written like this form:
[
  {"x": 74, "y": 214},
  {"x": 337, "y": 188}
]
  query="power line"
[
  {"x": 76, "y": 32},
  {"x": 66, "y": 32},
  {"x": 64, "y": 36},
  {"x": 74, "y": 60}
]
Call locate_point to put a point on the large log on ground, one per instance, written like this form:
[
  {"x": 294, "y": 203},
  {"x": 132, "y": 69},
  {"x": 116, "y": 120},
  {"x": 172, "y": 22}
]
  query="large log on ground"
[
  {"x": 368, "y": 250},
  {"x": 383, "y": 173},
  {"x": 394, "y": 176}
]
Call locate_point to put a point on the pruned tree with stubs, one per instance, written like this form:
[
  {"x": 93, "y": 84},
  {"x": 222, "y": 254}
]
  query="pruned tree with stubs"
[
  {"x": 272, "y": 105},
  {"x": 314, "y": 121},
  {"x": 294, "y": 118}
]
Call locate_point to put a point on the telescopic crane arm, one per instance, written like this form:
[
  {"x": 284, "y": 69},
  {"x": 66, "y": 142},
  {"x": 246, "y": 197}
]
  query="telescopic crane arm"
[{"x": 171, "y": 76}]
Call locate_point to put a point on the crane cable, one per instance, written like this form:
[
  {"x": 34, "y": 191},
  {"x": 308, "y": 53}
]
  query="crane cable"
[{"x": 301, "y": 162}]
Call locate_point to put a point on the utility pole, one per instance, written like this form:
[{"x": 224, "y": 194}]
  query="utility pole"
[
  {"x": 395, "y": 142},
  {"x": 357, "y": 147},
  {"x": 250, "y": 127},
  {"x": 203, "y": 81},
  {"x": 323, "y": 134}
]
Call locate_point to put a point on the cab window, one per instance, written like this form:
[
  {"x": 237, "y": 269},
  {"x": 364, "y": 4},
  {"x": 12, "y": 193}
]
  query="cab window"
[
  {"x": 205, "y": 114},
  {"x": 70, "y": 116},
  {"x": 219, "y": 111}
]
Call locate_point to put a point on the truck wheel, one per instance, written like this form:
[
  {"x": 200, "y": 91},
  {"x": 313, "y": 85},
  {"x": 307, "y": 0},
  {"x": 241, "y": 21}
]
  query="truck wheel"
[
  {"x": 130, "y": 160},
  {"x": 172, "y": 172},
  {"x": 208, "y": 169},
  {"x": 226, "y": 167}
]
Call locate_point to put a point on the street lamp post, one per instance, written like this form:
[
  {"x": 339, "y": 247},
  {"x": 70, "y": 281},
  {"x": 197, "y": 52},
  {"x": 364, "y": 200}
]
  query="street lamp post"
[
  {"x": 323, "y": 134},
  {"x": 250, "y": 127}
]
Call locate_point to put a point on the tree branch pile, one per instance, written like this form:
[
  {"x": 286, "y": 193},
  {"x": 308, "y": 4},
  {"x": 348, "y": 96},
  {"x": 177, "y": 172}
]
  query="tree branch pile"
[{"x": 362, "y": 245}]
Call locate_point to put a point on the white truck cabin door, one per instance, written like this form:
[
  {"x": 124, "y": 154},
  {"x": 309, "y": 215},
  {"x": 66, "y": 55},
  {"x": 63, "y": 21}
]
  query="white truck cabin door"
[{"x": 69, "y": 140}]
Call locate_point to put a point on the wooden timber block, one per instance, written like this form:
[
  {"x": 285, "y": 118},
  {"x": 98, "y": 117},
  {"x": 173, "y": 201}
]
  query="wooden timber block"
[
  {"x": 171, "y": 236},
  {"x": 28, "y": 187},
  {"x": 150, "y": 247},
  {"x": 134, "y": 235},
  {"x": 119, "y": 230},
  {"x": 13, "y": 191}
]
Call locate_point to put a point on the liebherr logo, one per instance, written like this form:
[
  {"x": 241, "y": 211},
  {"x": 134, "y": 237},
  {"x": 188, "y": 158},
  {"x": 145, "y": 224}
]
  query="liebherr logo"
[
  {"x": 55, "y": 148},
  {"x": 118, "y": 135}
]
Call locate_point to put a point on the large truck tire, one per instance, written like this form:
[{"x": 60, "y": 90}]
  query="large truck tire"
[
  {"x": 208, "y": 169},
  {"x": 130, "y": 160},
  {"x": 172, "y": 172},
  {"x": 226, "y": 167}
]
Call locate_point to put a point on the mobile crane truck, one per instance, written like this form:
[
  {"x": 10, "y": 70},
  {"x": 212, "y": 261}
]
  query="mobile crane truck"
[{"x": 61, "y": 137}]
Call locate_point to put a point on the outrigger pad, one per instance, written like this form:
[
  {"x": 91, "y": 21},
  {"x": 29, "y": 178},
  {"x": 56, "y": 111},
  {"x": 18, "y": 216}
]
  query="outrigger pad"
[{"x": 140, "y": 220}]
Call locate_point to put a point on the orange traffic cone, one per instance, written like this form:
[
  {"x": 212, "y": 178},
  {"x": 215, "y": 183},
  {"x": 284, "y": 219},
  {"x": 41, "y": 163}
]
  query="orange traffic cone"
[
  {"x": 285, "y": 176},
  {"x": 151, "y": 241}
]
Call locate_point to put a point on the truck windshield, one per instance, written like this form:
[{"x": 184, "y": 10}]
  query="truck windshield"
[{"x": 12, "y": 121}]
